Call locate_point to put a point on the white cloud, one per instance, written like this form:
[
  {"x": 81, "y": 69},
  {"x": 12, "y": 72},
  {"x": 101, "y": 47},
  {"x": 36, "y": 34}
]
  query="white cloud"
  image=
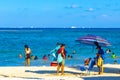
[
  {"x": 73, "y": 6},
  {"x": 104, "y": 15},
  {"x": 90, "y": 9}
]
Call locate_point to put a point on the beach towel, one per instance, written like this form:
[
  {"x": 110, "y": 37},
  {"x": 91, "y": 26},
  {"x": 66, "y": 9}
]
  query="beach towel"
[{"x": 60, "y": 58}]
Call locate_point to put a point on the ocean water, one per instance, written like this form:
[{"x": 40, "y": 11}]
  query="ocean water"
[{"x": 43, "y": 40}]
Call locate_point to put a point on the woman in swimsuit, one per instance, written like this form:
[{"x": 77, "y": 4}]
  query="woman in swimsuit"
[{"x": 27, "y": 55}]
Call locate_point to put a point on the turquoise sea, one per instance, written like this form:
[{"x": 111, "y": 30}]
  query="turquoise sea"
[{"x": 43, "y": 40}]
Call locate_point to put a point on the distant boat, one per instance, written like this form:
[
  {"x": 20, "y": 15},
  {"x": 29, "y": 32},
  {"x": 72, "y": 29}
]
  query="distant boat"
[{"x": 73, "y": 27}]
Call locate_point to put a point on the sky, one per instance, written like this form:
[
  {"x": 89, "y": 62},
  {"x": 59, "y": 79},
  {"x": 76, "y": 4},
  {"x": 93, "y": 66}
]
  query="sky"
[{"x": 59, "y": 13}]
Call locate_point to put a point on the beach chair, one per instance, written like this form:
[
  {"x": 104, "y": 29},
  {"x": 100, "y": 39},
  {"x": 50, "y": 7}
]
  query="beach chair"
[{"x": 89, "y": 67}]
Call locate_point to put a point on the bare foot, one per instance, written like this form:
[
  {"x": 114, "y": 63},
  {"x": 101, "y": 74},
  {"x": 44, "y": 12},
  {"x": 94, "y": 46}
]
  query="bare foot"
[
  {"x": 57, "y": 74},
  {"x": 99, "y": 73},
  {"x": 62, "y": 74}
]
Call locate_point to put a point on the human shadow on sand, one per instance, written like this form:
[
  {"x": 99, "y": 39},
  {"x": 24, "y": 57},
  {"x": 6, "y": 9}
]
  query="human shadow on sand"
[
  {"x": 51, "y": 72},
  {"x": 106, "y": 69},
  {"x": 31, "y": 78},
  {"x": 102, "y": 78},
  {"x": 6, "y": 76}
]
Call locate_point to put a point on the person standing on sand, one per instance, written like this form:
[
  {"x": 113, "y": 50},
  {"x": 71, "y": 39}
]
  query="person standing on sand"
[
  {"x": 100, "y": 59},
  {"x": 27, "y": 55},
  {"x": 61, "y": 59},
  {"x": 100, "y": 64}
]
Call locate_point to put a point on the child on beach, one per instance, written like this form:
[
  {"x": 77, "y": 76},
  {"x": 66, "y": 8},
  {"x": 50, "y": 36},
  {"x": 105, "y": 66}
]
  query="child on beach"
[{"x": 27, "y": 55}]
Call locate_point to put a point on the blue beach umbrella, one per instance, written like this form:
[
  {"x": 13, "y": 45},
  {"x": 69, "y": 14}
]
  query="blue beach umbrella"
[{"x": 93, "y": 40}]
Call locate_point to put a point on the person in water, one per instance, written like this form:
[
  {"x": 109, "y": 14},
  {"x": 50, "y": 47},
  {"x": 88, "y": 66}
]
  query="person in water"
[
  {"x": 20, "y": 55},
  {"x": 27, "y": 55},
  {"x": 69, "y": 56},
  {"x": 113, "y": 55},
  {"x": 114, "y": 58},
  {"x": 74, "y": 52},
  {"x": 45, "y": 58},
  {"x": 115, "y": 62},
  {"x": 108, "y": 51},
  {"x": 34, "y": 57}
]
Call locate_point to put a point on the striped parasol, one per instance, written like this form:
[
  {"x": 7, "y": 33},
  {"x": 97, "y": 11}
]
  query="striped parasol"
[{"x": 92, "y": 40}]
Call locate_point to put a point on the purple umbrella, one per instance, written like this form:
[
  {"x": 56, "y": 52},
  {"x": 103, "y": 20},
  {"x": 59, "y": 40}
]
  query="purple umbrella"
[{"x": 92, "y": 40}]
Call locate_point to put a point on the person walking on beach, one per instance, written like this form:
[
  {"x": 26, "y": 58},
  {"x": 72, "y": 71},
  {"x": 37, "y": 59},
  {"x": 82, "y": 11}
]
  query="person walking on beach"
[
  {"x": 27, "y": 55},
  {"x": 61, "y": 59}
]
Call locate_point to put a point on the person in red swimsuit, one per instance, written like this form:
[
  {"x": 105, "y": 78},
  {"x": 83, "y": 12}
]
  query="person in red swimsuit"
[{"x": 45, "y": 58}]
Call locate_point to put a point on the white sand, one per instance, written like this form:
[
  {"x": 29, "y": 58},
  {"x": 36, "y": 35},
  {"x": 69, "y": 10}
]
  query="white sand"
[{"x": 112, "y": 72}]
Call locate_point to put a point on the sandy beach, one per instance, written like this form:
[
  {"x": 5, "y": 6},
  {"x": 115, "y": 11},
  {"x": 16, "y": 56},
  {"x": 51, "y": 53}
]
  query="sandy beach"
[{"x": 111, "y": 72}]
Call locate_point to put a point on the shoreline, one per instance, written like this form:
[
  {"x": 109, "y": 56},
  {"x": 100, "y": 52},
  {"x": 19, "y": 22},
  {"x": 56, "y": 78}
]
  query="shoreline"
[{"x": 49, "y": 73}]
